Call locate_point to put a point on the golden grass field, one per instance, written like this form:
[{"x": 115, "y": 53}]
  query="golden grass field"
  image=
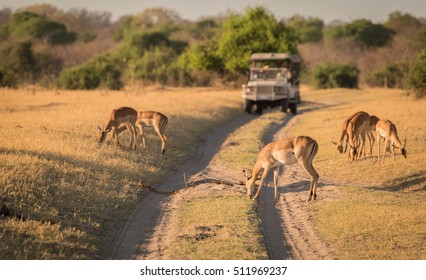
[{"x": 73, "y": 193}]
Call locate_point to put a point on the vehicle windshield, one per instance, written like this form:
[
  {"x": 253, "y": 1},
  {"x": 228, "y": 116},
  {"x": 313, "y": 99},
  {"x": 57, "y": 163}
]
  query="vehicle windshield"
[{"x": 269, "y": 74}]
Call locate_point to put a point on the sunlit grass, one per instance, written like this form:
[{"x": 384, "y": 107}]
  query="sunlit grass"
[
  {"x": 75, "y": 191},
  {"x": 382, "y": 216},
  {"x": 223, "y": 226}
]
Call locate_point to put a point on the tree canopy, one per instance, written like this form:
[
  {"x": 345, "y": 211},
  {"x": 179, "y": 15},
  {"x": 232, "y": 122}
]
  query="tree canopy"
[
  {"x": 365, "y": 32},
  {"x": 257, "y": 30}
]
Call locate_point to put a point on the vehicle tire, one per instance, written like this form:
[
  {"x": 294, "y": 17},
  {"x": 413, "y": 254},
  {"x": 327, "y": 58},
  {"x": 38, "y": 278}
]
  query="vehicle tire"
[
  {"x": 259, "y": 109},
  {"x": 293, "y": 108},
  {"x": 247, "y": 105},
  {"x": 284, "y": 105}
]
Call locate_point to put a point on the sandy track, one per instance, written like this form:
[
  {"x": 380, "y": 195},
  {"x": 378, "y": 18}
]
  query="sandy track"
[
  {"x": 138, "y": 236},
  {"x": 288, "y": 227}
]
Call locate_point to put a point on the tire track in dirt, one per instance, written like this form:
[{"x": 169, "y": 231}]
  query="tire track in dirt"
[
  {"x": 138, "y": 238},
  {"x": 289, "y": 227}
]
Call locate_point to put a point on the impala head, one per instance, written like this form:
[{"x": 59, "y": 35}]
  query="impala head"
[
  {"x": 102, "y": 134},
  {"x": 249, "y": 183},
  {"x": 339, "y": 147}
]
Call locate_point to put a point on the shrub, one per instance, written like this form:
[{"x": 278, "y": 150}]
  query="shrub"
[
  {"x": 97, "y": 72},
  {"x": 8, "y": 79},
  {"x": 392, "y": 75},
  {"x": 417, "y": 76},
  {"x": 333, "y": 75}
]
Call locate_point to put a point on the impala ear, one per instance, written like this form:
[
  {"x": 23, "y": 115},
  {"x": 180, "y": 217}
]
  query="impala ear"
[
  {"x": 99, "y": 128},
  {"x": 108, "y": 130}
]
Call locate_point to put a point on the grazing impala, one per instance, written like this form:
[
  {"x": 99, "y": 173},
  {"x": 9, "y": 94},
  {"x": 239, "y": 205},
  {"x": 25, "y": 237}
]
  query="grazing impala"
[
  {"x": 370, "y": 132},
  {"x": 154, "y": 119},
  {"x": 122, "y": 116},
  {"x": 344, "y": 134},
  {"x": 387, "y": 130},
  {"x": 356, "y": 130},
  {"x": 300, "y": 149}
]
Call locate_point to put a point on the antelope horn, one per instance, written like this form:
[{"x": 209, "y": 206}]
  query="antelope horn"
[
  {"x": 335, "y": 143},
  {"x": 99, "y": 128},
  {"x": 405, "y": 142}
]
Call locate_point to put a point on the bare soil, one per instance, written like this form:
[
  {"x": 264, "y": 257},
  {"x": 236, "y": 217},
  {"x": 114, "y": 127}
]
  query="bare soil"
[{"x": 288, "y": 226}]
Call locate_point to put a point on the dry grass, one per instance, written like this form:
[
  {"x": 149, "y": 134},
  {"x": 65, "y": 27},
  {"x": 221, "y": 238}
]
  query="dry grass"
[
  {"x": 382, "y": 213},
  {"x": 221, "y": 226},
  {"x": 71, "y": 192}
]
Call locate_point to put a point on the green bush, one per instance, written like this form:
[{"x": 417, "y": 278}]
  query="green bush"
[
  {"x": 392, "y": 75},
  {"x": 334, "y": 75},
  {"x": 417, "y": 76},
  {"x": 8, "y": 79},
  {"x": 95, "y": 73}
]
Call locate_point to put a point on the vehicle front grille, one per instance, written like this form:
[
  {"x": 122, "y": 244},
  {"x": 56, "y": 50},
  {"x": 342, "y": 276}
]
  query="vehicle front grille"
[{"x": 265, "y": 89}]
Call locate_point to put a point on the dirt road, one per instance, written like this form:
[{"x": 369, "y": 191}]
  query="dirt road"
[
  {"x": 138, "y": 235},
  {"x": 288, "y": 228}
]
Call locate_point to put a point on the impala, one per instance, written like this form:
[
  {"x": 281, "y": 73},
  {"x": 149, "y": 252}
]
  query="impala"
[
  {"x": 122, "y": 116},
  {"x": 300, "y": 149},
  {"x": 154, "y": 119},
  {"x": 370, "y": 132},
  {"x": 344, "y": 134},
  {"x": 387, "y": 130},
  {"x": 356, "y": 130}
]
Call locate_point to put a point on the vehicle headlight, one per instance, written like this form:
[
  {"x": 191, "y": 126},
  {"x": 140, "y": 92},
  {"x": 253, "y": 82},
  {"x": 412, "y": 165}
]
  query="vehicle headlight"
[
  {"x": 250, "y": 89},
  {"x": 279, "y": 90}
]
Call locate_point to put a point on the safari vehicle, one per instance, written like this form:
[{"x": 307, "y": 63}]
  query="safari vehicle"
[{"x": 273, "y": 81}]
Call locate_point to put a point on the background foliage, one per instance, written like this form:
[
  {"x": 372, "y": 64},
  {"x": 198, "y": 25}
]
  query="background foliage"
[{"x": 42, "y": 44}]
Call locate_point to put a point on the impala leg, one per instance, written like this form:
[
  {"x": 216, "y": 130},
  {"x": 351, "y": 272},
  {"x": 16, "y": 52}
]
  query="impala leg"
[
  {"x": 115, "y": 136},
  {"x": 386, "y": 147},
  {"x": 372, "y": 140},
  {"x": 378, "y": 147},
  {"x": 131, "y": 131},
  {"x": 307, "y": 165},
  {"x": 265, "y": 173},
  {"x": 163, "y": 139},
  {"x": 393, "y": 152},
  {"x": 276, "y": 173},
  {"x": 140, "y": 126}
]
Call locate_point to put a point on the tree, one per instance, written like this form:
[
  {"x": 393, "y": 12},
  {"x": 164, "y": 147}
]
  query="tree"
[
  {"x": 363, "y": 31},
  {"x": 307, "y": 29},
  {"x": 155, "y": 18},
  {"x": 34, "y": 26},
  {"x": 417, "y": 75},
  {"x": 255, "y": 31}
]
